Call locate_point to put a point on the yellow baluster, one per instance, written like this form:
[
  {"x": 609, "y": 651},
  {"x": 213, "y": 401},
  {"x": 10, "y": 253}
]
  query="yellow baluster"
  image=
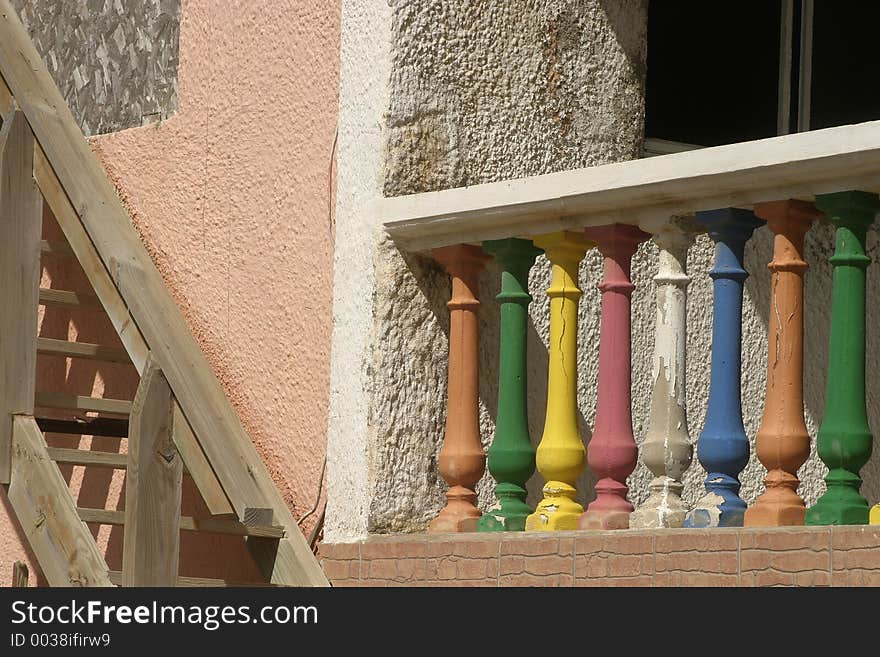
[
  {"x": 874, "y": 517},
  {"x": 561, "y": 453}
]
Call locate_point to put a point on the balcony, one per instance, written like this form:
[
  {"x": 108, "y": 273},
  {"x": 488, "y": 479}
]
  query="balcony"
[{"x": 640, "y": 529}]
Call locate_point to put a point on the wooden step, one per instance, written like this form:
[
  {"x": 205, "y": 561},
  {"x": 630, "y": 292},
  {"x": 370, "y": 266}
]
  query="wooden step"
[
  {"x": 116, "y": 579},
  {"x": 56, "y": 248},
  {"x": 91, "y": 426},
  {"x": 189, "y": 524},
  {"x": 67, "y": 456},
  {"x": 50, "y": 297},
  {"x": 80, "y": 403},
  {"x": 52, "y": 347}
]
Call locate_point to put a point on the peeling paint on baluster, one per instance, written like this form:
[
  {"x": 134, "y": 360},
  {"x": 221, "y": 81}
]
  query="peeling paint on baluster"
[{"x": 560, "y": 455}]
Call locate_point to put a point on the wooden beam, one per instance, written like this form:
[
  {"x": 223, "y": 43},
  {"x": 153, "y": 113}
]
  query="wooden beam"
[
  {"x": 199, "y": 469},
  {"x": 87, "y": 457},
  {"x": 21, "y": 220},
  {"x": 51, "y": 297},
  {"x": 63, "y": 545},
  {"x": 80, "y": 403},
  {"x": 116, "y": 578},
  {"x": 227, "y": 526},
  {"x": 91, "y": 426},
  {"x": 48, "y": 247},
  {"x": 6, "y": 101},
  {"x": 81, "y": 245},
  {"x": 19, "y": 574},
  {"x": 84, "y": 350},
  {"x": 108, "y": 225},
  {"x": 153, "y": 487},
  {"x": 642, "y": 192}
]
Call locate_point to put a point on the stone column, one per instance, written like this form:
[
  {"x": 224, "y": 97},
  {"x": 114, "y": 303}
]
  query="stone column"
[
  {"x": 723, "y": 448},
  {"x": 782, "y": 443},
  {"x": 461, "y": 460},
  {"x": 845, "y": 440},
  {"x": 612, "y": 452},
  {"x": 560, "y": 456},
  {"x": 667, "y": 451},
  {"x": 511, "y": 456}
]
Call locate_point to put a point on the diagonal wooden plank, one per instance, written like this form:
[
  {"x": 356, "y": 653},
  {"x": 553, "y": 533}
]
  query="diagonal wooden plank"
[
  {"x": 39, "y": 495},
  {"x": 21, "y": 220},
  {"x": 153, "y": 487},
  {"x": 81, "y": 246},
  {"x": 216, "y": 425}
]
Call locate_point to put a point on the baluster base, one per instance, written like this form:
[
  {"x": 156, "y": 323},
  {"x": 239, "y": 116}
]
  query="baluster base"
[
  {"x": 663, "y": 508},
  {"x": 610, "y": 509},
  {"x": 509, "y": 514},
  {"x": 779, "y": 505},
  {"x": 460, "y": 513},
  {"x": 721, "y": 506},
  {"x": 558, "y": 511},
  {"x": 842, "y": 504}
]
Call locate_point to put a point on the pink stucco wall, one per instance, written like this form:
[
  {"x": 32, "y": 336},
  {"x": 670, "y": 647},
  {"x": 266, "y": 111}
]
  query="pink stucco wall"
[{"x": 233, "y": 198}]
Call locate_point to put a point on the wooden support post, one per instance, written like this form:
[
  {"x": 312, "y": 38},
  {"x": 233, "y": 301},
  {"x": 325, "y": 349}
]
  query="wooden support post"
[
  {"x": 845, "y": 440},
  {"x": 462, "y": 461},
  {"x": 511, "y": 456},
  {"x": 612, "y": 452},
  {"x": 667, "y": 451},
  {"x": 20, "y": 227},
  {"x": 152, "y": 488},
  {"x": 19, "y": 575},
  {"x": 560, "y": 455},
  {"x": 63, "y": 545},
  {"x": 723, "y": 447},
  {"x": 782, "y": 442}
]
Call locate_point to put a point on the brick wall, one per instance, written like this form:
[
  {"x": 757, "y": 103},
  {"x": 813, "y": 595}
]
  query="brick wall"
[{"x": 802, "y": 556}]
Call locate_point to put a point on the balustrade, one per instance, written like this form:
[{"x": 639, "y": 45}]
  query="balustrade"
[{"x": 782, "y": 443}]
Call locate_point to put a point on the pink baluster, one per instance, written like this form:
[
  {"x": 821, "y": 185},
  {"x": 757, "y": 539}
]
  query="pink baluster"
[{"x": 612, "y": 451}]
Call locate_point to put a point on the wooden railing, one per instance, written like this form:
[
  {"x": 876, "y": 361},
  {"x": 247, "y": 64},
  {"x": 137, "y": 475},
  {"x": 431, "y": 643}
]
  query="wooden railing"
[
  {"x": 788, "y": 183},
  {"x": 180, "y": 400}
]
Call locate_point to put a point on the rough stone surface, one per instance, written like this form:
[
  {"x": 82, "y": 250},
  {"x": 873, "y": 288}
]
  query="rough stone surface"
[
  {"x": 508, "y": 90},
  {"x": 115, "y": 61},
  {"x": 785, "y": 556}
]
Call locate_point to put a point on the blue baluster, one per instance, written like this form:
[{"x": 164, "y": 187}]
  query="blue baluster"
[{"x": 723, "y": 447}]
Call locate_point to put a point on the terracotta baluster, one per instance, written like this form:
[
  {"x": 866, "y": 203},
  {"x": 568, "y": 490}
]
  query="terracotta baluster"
[
  {"x": 612, "y": 451},
  {"x": 511, "y": 456},
  {"x": 667, "y": 450},
  {"x": 461, "y": 460},
  {"x": 845, "y": 440},
  {"x": 560, "y": 456},
  {"x": 782, "y": 443},
  {"x": 723, "y": 447}
]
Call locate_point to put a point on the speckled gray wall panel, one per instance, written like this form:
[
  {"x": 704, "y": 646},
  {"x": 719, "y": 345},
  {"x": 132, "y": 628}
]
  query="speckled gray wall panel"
[{"x": 115, "y": 61}]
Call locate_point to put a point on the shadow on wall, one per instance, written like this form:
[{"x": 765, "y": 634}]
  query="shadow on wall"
[{"x": 201, "y": 555}]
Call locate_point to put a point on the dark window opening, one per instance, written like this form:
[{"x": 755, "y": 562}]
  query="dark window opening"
[{"x": 721, "y": 73}]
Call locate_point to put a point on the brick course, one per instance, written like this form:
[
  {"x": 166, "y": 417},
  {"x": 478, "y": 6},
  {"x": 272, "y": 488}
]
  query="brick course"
[{"x": 787, "y": 556}]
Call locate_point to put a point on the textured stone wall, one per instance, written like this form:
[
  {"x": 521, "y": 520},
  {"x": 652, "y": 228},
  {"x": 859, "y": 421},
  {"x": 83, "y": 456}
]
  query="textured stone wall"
[
  {"x": 115, "y": 61},
  {"x": 795, "y": 556},
  {"x": 460, "y": 96}
]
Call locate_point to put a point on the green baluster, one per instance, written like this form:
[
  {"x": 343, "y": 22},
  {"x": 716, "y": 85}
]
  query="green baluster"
[
  {"x": 511, "y": 456},
  {"x": 844, "y": 437}
]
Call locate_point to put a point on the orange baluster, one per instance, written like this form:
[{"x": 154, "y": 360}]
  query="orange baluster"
[
  {"x": 462, "y": 460},
  {"x": 782, "y": 441}
]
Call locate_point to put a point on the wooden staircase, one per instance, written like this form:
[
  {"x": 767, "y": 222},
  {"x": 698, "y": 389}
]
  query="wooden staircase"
[{"x": 179, "y": 423}]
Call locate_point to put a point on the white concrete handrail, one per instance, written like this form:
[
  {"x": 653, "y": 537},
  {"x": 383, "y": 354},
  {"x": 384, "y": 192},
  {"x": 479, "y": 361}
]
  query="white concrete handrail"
[{"x": 642, "y": 192}]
